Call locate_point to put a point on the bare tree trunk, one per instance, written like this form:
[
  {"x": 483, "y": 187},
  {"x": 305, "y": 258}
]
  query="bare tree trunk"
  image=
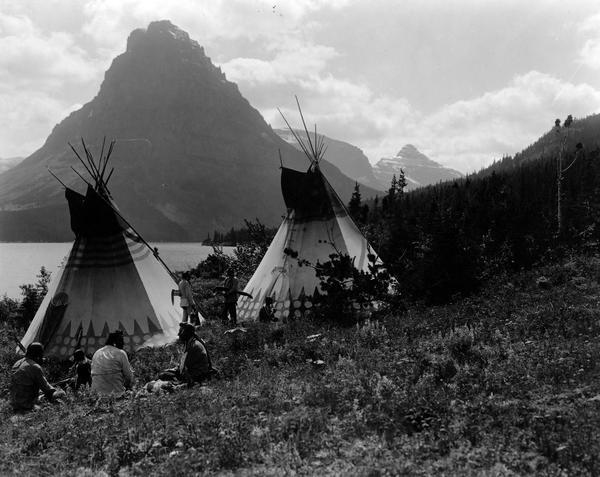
[{"x": 559, "y": 219}]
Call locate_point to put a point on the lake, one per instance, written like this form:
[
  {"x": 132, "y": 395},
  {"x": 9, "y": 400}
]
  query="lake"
[{"x": 21, "y": 262}]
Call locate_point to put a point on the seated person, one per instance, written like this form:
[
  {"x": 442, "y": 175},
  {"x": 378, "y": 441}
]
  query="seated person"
[
  {"x": 81, "y": 369},
  {"x": 27, "y": 380},
  {"x": 266, "y": 313},
  {"x": 111, "y": 371},
  {"x": 195, "y": 365}
]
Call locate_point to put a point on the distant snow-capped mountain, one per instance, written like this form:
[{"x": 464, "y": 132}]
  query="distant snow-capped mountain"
[{"x": 418, "y": 169}]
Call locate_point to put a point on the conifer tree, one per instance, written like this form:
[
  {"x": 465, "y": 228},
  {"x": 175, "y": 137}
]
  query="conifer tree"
[{"x": 354, "y": 206}]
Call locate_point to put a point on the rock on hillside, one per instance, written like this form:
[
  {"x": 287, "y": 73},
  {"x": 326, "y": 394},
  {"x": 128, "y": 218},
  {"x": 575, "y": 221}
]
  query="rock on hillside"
[
  {"x": 192, "y": 155},
  {"x": 418, "y": 169}
]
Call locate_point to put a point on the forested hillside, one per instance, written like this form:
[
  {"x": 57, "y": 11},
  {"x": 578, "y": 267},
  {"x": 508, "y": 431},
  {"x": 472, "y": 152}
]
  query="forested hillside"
[{"x": 443, "y": 240}]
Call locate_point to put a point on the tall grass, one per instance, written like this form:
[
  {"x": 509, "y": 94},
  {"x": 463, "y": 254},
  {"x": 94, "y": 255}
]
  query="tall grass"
[{"x": 503, "y": 383}]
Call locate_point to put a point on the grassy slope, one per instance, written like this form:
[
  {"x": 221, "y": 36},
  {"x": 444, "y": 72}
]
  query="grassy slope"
[{"x": 505, "y": 383}]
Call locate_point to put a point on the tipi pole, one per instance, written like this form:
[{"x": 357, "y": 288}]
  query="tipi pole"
[
  {"x": 173, "y": 276},
  {"x": 84, "y": 165},
  {"x": 108, "y": 202},
  {"x": 82, "y": 178},
  {"x": 54, "y": 175},
  {"x": 108, "y": 178},
  {"x": 91, "y": 162}
]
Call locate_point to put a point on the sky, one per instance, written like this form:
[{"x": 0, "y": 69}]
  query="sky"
[{"x": 465, "y": 81}]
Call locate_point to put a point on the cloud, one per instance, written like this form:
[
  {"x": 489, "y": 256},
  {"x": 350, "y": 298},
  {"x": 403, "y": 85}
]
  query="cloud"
[
  {"x": 470, "y": 134},
  {"x": 54, "y": 53},
  {"x": 41, "y": 75},
  {"x": 31, "y": 57},
  {"x": 109, "y": 20},
  {"x": 589, "y": 54},
  {"x": 466, "y": 135},
  {"x": 27, "y": 119},
  {"x": 293, "y": 63},
  {"x": 342, "y": 108}
]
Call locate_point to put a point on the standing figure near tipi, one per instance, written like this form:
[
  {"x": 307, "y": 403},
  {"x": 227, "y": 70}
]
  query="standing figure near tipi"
[
  {"x": 186, "y": 297},
  {"x": 230, "y": 295}
]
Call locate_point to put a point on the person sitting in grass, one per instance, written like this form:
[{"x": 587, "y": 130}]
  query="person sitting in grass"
[
  {"x": 81, "y": 369},
  {"x": 266, "y": 313},
  {"x": 111, "y": 371},
  {"x": 27, "y": 380},
  {"x": 195, "y": 365}
]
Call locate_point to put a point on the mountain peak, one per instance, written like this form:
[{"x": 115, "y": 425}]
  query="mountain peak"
[
  {"x": 165, "y": 42},
  {"x": 192, "y": 155},
  {"x": 418, "y": 169},
  {"x": 407, "y": 150},
  {"x": 160, "y": 32}
]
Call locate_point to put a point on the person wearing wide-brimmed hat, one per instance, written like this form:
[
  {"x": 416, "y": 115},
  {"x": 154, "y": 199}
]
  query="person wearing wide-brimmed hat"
[{"x": 195, "y": 365}]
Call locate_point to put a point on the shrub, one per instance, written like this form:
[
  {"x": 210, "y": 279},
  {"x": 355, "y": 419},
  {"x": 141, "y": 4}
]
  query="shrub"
[
  {"x": 33, "y": 296},
  {"x": 348, "y": 295}
]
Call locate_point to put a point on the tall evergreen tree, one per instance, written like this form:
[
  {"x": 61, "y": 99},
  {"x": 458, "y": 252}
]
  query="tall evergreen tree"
[{"x": 354, "y": 206}]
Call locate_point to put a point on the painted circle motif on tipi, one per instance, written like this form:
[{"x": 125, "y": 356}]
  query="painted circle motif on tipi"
[
  {"x": 60, "y": 299},
  {"x": 66, "y": 340}
]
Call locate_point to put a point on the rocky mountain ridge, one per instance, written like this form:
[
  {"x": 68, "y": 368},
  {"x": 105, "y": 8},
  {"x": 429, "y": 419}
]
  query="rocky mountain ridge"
[{"x": 191, "y": 155}]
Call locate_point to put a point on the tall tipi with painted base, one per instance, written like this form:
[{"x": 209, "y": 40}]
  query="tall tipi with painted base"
[
  {"x": 317, "y": 224},
  {"x": 112, "y": 279}
]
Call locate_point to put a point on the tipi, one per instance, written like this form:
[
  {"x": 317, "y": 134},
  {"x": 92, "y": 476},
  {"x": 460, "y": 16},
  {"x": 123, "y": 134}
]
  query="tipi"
[
  {"x": 112, "y": 279},
  {"x": 316, "y": 225}
]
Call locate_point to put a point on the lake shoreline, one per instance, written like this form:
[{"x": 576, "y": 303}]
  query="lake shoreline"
[{"x": 20, "y": 262}]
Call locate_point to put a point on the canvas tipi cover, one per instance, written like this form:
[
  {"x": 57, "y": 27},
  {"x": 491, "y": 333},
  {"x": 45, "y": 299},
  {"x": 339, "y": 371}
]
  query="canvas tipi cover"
[
  {"x": 316, "y": 225},
  {"x": 110, "y": 280}
]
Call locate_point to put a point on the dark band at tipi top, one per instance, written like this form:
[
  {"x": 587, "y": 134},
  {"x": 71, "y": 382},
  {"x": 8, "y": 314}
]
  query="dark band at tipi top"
[
  {"x": 110, "y": 280},
  {"x": 317, "y": 224}
]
